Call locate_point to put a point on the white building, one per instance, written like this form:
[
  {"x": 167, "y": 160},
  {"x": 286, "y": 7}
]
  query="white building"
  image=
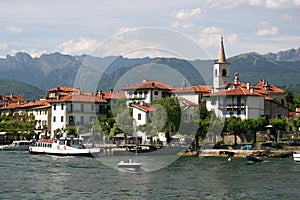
[
  {"x": 78, "y": 109},
  {"x": 148, "y": 91}
]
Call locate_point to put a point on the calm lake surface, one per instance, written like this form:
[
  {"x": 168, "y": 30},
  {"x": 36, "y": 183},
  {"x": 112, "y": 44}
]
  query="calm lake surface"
[{"x": 26, "y": 176}]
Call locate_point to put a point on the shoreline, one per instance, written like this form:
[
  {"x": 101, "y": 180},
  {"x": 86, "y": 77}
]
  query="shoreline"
[{"x": 271, "y": 153}]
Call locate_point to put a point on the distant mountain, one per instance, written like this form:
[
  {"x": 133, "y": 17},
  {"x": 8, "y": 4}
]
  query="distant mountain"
[
  {"x": 51, "y": 70},
  {"x": 8, "y": 87},
  {"x": 289, "y": 55}
]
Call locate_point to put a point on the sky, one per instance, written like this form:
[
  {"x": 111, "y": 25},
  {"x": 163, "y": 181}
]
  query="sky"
[{"x": 188, "y": 29}]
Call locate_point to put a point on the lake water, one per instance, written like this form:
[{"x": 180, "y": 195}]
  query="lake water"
[{"x": 26, "y": 176}]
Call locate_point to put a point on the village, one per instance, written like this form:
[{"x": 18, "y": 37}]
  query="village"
[{"x": 67, "y": 108}]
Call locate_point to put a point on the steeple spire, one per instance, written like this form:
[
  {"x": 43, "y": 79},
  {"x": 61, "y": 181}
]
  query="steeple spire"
[{"x": 221, "y": 55}]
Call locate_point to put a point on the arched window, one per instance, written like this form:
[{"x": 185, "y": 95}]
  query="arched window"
[
  {"x": 216, "y": 72},
  {"x": 224, "y": 72}
]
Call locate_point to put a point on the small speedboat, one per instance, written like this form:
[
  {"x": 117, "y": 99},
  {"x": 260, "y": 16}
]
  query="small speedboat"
[
  {"x": 129, "y": 165},
  {"x": 254, "y": 159},
  {"x": 296, "y": 156}
]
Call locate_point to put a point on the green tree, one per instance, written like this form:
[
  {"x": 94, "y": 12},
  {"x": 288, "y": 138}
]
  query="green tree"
[
  {"x": 172, "y": 108},
  {"x": 279, "y": 124},
  {"x": 125, "y": 121},
  {"x": 235, "y": 127},
  {"x": 253, "y": 125},
  {"x": 289, "y": 98}
]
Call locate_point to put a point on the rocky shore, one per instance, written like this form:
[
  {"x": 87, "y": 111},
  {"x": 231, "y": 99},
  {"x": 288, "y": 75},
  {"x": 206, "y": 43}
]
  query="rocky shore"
[{"x": 262, "y": 150}]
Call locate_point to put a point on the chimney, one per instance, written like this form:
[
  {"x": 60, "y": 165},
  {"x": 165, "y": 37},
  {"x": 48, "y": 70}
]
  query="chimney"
[
  {"x": 236, "y": 78},
  {"x": 79, "y": 91},
  {"x": 183, "y": 84},
  {"x": 252, "y": 91},
  {"x": 248, "y": 86},
  {"x": 111, "y": 90}
]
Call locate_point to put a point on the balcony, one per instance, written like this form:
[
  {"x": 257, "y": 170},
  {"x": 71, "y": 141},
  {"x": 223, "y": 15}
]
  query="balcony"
[{"x": 233, "y": 106}]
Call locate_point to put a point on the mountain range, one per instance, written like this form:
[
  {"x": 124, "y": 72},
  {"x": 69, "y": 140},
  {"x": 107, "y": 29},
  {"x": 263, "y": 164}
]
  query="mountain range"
[{"x": 91, "y": 73}]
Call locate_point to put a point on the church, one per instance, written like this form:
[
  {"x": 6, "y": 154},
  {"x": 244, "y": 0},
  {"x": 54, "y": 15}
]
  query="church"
[{"x": 236, "y": 98}]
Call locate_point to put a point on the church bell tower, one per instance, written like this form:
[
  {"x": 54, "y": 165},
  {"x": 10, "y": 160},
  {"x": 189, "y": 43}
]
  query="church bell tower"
[{"x": 221, "y": 70}]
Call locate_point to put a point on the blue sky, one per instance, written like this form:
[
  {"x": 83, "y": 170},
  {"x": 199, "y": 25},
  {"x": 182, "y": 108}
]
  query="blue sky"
[{"x": 138, "y": 28}]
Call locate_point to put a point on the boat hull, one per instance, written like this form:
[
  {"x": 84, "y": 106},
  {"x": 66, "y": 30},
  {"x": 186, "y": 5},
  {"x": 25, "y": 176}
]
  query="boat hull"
[
  {"x": 129, "y": 165},
  {"x": 296, "y": 156},
  {"x": 63, "y": 152}
]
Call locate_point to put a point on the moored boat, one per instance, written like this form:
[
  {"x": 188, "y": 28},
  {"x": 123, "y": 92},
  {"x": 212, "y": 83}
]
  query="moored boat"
[
  {"x": 296, "y": 156},
  {"x": 17, "y": 145},
  {"x": 129, "y": 165},
  {"x": 254, "y": 159},
  {"x": 63, "y": 146}
]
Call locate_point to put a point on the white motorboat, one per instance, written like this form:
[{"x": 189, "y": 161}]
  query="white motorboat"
[
  {"x": 296, "y": 156},
  {"x": 129, "y": 165},
  {"x": 17, "y": 145},
  {"x": 63, "y": 146}
]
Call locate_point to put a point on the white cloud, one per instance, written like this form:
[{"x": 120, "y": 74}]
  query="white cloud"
[
  {"x": 274, "y": 3},
  {"x": 84, "y": 45},
  {"x": 232, "y": 38},
  {"x": 31, "y": 51},
  {"x": 266, "y": 31},
  {"x": 209, "y": 36},
  {"x": 187, "y": 14},
  {"x": 255, "y": 2},
  {"x": 184, "y": 18},
  {"x": 297, "y": 2},
  {"x": 14, "y": 29}
]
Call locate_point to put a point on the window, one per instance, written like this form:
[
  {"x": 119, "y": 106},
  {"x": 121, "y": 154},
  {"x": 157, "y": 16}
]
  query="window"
[
  {"x": 82, "y": 107},
  {"x": 81, "y": 120},
  {"x": 92, "y": 107},
  {"x": 71, "y": 119},
  {"x": 155, "y": 92},
  {"x": 71, "y": 107},
  {"x": 40, "y": 112},
  {"x": 224, "y": 72},
  {"x": 139, "y": 116},
  {"x": 62, "y": 119},
  {"x": 62, "y": 106},
  {"x": 54, "y": 106},
  {"x": 54, "y": 119},
  {"x": 216, "y": 72}
]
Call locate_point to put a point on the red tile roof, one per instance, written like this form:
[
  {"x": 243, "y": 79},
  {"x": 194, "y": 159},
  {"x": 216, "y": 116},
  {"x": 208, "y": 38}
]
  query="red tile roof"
[
  {"x": 145, "y": 108},
  {"x": 63, "y": 89},
  {"x": 194, "y": 89},
  {"x": 10, "y": 106},
  {"x": 264, "y": 87},
  {"x": 150, "y": 84},
  {"x": 11, "y": 99},
  {"x": 35, "y": 104},
  {"x": 188, "y": 102},
  {"x": 75, "y": 97},
  {"x": 238, "y": 91},
  {"x": 114, "y": 95},
  {"x": 269, "y": 99}
]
